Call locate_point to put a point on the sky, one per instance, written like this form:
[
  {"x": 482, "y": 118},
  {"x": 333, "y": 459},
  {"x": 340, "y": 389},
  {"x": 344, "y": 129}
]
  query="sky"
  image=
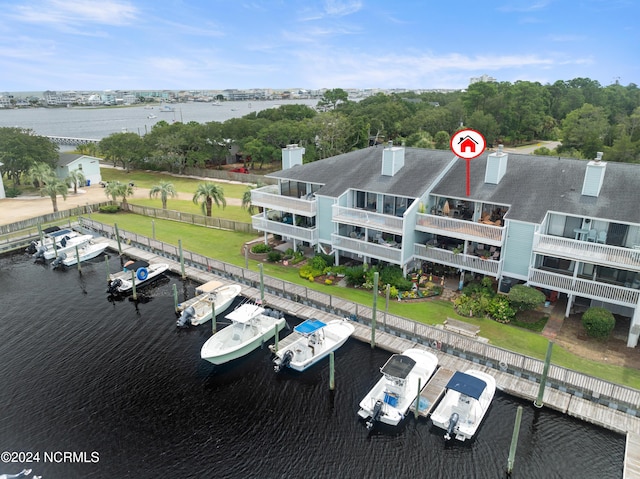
[{"x": 312, "y": 44}]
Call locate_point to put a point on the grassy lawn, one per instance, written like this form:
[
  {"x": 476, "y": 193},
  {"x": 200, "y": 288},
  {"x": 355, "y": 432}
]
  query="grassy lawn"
[
  {"x": 148, "y": 179},
  {"x": 230, "y": 212}
]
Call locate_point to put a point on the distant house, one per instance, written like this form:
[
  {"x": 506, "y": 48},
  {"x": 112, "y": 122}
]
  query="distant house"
[{"x": 88, "y": 165}]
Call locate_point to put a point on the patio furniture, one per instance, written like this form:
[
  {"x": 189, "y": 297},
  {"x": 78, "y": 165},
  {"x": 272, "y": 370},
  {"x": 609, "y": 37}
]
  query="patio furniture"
[
  {"x": 592, "y": 235},
  {"x": 602, "y": 237}
]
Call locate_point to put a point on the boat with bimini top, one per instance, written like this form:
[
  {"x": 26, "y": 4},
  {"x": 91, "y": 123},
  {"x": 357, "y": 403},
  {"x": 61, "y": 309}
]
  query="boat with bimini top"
[
  {"x": 251, "y": 326},
  {"x": 402, "y": 377},
  {"x": 200, "y": 309},
  {"x": 316, "y": 340},
  {"x": 465, "y": 404}
]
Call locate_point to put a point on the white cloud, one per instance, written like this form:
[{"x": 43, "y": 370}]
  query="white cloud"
[
  {"x": 61, "y": 12},
  {"x": 341, "y": 8}
]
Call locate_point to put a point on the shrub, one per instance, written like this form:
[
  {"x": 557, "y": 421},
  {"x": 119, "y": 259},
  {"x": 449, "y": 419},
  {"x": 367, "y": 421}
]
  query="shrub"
[
  {"x": 318, "y": 262},
  {"x": 260, "y": 248},
  {"x": 393, "y": 292},
  {"x": 274, "y": 256},
  {"x": 524, "y": 297},
  {"x": 355, "y": 275},
  {"x": 500, "y": 310},
  {"x": 598, "y": 322},
  {"x": 12, "y": 192},
  {"x": 328, "y": 282},
  {"x": 109, "y": 209}
]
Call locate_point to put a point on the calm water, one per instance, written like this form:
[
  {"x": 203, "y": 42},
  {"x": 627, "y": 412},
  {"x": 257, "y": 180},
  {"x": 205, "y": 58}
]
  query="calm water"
[
  {"x": 97, "y": 123},
  {"x": 117, "y": 380}
]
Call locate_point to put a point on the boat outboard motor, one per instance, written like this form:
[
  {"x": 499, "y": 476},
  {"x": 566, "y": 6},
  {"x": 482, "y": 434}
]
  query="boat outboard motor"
[
  {"x": 39, "y": 255},
  {"x": 113, "y": 286},
  {"x": 185, "y": 318},
  {"x": 279, "y": 364},
  {"x": 59, "y": 260},
  {"x": 375, "y": 416},
  {"x": 32, "y": 248},
  {"x": 453, "y": 422}
]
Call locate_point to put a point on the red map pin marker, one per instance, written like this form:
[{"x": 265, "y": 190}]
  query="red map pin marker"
[{"x": 468, "y": 144}]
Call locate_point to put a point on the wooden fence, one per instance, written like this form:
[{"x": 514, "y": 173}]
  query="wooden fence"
[
  {"x": 32, "y": 223},
  {"x": 581, "y": 385}
]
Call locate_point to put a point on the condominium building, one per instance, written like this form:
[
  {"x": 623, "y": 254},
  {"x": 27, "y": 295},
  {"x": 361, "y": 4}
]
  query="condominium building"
[{"x": 570, "y": 227}]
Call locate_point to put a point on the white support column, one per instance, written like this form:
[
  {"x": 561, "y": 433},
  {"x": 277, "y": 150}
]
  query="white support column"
[
  {"x": 634, "y": 330},
  {"x": 570, "y": 300}
]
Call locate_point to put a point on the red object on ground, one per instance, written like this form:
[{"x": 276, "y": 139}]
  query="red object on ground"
[{"x": 242, "y": 169}]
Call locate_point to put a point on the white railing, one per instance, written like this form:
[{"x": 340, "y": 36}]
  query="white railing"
[
  {"x": 461, "y": 229},
  {"x": 386, "y": 253},
  {"x": 463, "y": 261},
  {"x": 260, "y": 223},
  {"x": 606, "y": 255},
  {"x": 367, "y": 219},
  {"x": 583, "y": 287},
  {"x": 270, "y": 197}
]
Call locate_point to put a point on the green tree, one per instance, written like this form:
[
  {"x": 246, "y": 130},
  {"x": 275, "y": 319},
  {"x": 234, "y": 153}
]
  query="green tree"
[
  {"x": 332, "y": 98},
  {"x": 524, "y": 298},
  {"x": 584, "y": 129},
  {"x": 442, "y": 140},
  {"x": 164, "y": 189},
  {"x": 123, "y": 148},
  {"x": 117, "y": 189},
  {"x": 246, "y": 199},
  {"x": 207, "y": 194},
  {"x": 40, "y": 173},
  {"x": 75, "y": 178},
  {"x": 20, "y": 149},
  {"x": 54, "y": 187}
]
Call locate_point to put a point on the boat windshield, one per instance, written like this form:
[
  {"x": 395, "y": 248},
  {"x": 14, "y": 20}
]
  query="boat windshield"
[{"x": 398, "y": 366}]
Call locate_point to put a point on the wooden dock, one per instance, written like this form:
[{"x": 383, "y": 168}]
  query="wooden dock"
[
  {"x": 433, "y": 391},
  {"x": 632, "y": 457}
]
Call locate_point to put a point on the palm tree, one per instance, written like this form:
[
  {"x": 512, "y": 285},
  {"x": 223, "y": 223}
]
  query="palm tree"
[
  {"x": 116, "y": 189},
  {"x": 40, "y": 173},
  {"x": 164, "y": 189},
  {"x": 53, "y": 188},
  {"x": 76, "y": 177},
  {"x": 246, "y": 199},
  {"x": 207, "y": 194}
]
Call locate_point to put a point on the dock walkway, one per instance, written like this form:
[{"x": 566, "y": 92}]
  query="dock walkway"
[{"x": 433, "y": 391}]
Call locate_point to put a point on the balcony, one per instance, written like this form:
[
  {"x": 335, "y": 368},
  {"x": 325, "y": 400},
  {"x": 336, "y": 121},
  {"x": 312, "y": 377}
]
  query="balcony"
[
  {"x": 367, "y": 219},
  {"x": 582, "y": 287},
  {"x": 463, "y": 261},
  {"x": 596, "y": 253},
  {"x": 270, "y": 197},
  {"x": 390, "y": 254},
  {"x": 261, "y": 223},
  {"x": 461, "y": 229}
]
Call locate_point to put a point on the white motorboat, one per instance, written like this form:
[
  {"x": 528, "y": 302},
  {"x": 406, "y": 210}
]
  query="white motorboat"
[
  {"x": 134, "y": 272},
  {"x": 86, "y": 252},
  {"x": 51, "y": 235},
  {"x": 251, "y": 326},
  {"x": 465, "y": 403},
  {"x": 200, "y": 310},
  {"x": 66, "y": 244},
  {"x": 402, "y": 377},
  {"x": 316, "y": 340}
]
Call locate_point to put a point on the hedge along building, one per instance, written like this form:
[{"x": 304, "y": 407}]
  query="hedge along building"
[{"x": 570, "y": 227}]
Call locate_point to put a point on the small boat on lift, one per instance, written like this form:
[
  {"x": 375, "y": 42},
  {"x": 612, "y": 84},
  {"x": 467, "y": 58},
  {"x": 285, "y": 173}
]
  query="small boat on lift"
[
  {"x": 465, "y": 403},
  {"x": 251, "y": 326},
  {"x": 199, "y": 310},
  {"x": 49, "y": 236},
  {"x": 66, "y": 245},
  {"x": 122, "y": 282},
  {"x": 316, "y": 341},
  {"x": 392, "y": 396}
]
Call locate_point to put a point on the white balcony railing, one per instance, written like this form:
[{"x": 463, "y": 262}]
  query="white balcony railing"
[
  {"x": 367, "y": 219},
  {"x": 373, "y": 250},
  {"x": 610, "y": 293},
  {"x": 270, "y": 197},
  {"x": 463, "y": 261},
  {"x": 260, "y": 223},
  {"x": 597, "y": 253},
  {"x": 461, "y": 229}
]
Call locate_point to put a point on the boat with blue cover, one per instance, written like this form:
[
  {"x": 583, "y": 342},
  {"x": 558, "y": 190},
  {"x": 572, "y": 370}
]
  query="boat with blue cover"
[
  {"x": 316, "y": 340},
  {"x": 465, "y": 404},
  {"x": 138, "y": 272},
  {"x": 403, "y": 375}
]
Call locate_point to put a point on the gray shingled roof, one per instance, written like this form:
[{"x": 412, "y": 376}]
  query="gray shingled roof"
[
  {"x": 362, "y": 169},
  {"x": 533, "y": 185},
  {"x": 66, "y": 158}
]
